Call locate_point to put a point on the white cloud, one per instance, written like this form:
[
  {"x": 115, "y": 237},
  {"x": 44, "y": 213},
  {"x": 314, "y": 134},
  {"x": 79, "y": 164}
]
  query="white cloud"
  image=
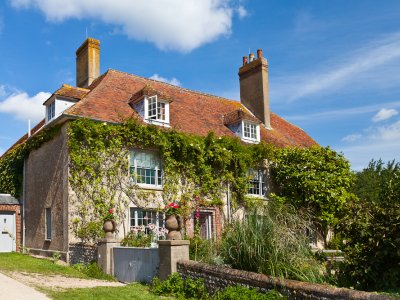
[
  {"x": 384, "y": 114},
  {"x": 351, "y": 137},
  {"x": 181, "y": 25},
  {"x": 23, "y": 107},
  {"x": 340, "y": 113},
  {"x": 242, "y": 12},
  {"x": 172, "y": 81},
  {"x": 349, "y": 70}
]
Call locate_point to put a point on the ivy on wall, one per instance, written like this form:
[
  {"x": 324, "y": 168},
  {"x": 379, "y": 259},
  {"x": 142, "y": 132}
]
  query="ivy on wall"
[
  {"x": 197, "y": 171},
  {"x": 11, "y": 164}
]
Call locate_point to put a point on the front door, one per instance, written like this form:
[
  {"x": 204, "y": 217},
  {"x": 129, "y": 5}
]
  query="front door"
[{"x": 7, "y": 232}]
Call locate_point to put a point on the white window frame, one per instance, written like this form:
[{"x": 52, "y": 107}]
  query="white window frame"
[
  {"x": 135, "y": 217},
  {"x": 51, "y": 111},
  {"x": 260, "y": 181},
  {"x": 155, "y": 118},
  {"x": 251, "y": 139},
  {"x": 158, "y": 180},
  {"x": 48, "y": 227}
]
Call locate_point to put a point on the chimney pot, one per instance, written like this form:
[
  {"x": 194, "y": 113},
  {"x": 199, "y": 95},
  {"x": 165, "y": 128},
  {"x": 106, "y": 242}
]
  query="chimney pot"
[
  {"x": 251, "y": 57},
  {"x": 244, "y": 60},
  {"x": 259, "y": 53}
]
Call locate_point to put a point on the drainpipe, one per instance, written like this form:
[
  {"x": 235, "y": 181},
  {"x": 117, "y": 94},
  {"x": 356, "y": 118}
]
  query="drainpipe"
[
  {"x": 23, "y": 203},
  {"x": 228, "y": 203}
]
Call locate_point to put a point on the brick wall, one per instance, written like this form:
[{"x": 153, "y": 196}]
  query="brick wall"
[
  {"x": 17, "y": 210},
  {"x": 217, "y": 278}
]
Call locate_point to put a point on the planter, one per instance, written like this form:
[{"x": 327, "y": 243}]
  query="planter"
[
  {"x": 109, "y": 229},
  {"x": 173, "y": 224}
]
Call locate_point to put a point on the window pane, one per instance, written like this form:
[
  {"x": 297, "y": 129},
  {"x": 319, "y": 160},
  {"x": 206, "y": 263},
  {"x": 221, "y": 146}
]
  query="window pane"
[{"x": 48, "y": 223}]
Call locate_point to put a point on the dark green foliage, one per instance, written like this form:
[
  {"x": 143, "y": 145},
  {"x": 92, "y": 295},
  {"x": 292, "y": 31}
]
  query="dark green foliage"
[
  {"x": 272, "y": 241},
  {"x": 92, "y": 270},
  {"x": 240, "y": 292},
  {"x": 175, "y": 286},
  {"x": 314, "y": 179},
  {"x": 371, "y": 228}
]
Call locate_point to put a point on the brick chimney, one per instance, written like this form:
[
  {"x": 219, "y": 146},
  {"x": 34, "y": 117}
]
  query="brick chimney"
[
  {"x": 253, "y": 77},
  {"x": 87, "y": 62}
]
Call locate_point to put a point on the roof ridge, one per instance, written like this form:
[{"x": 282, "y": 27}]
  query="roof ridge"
[{"x": 177, "y": 87}]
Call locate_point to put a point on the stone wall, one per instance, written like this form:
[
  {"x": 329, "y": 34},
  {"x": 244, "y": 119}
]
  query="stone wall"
[
  {"x": 15, "y": 208},
  {"x": 82, "y": 253},
  {"x": 217, "y": 278}
]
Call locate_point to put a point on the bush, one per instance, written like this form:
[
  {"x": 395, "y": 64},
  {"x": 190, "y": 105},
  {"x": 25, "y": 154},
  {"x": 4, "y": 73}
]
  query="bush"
[
  {"x": 240, "y": 292},
  {"x": 175, "y": 286},
  {"x": 136, "y": 240},
  {"x": 371, "y": 228},
  {"x": 93, "y": 270},
  {"x": 271, "y": 240}
]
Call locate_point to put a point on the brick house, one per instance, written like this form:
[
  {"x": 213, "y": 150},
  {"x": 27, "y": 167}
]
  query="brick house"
[
  {"x": 115, "y": 96},
  {"x": 10, "y": 224}
]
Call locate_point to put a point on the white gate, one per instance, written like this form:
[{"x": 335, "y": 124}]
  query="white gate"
[{"x": 7, "y": 232}]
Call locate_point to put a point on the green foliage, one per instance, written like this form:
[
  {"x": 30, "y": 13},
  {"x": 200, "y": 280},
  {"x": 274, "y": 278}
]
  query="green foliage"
[
  {"x": 203, "y": 250},
  {"x": 175, "y": 286},
  {"x": 11, "y": 164},
  {"x": 56, "y": 256},
  {"x": 314, "y": 179},
  {"x": 92, "y": 270},
  {"x": 138, "y": 239},
  {"x": 240, "y": 292},
  {"x": 271, "y": 240},
  {"x": 371, "y": 228}
]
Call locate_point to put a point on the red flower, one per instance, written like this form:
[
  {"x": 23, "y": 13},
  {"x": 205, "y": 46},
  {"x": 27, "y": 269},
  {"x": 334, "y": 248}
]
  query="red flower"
[
  {"x": 110, "y": 211},
  {"x": 175, "y": 205}
]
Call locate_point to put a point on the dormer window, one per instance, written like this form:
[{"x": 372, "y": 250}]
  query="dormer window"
[
  {"x": 156, "y": 109},
  {"x": 250, "y": 131},
  {"x": 51, "y": 111}
]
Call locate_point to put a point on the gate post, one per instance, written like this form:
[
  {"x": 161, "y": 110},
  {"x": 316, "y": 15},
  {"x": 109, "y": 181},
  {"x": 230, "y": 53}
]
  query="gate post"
[
  {"x": 169, "y": 252},
  {"x": 105, "y": 258}
]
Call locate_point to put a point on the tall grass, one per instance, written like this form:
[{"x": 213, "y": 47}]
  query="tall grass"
[{"x": 271, "y": 240}]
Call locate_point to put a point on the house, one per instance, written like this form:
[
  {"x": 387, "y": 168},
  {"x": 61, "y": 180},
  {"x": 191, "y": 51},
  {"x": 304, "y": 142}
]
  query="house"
[
  {"x": 10, "y": 223},
  {"x": 115, "y": 96}
]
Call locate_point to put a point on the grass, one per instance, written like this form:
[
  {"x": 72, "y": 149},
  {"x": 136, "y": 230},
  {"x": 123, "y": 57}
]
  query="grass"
[
  {"x": 24, "y": 263},
  {"x": 131, "y": 291}
]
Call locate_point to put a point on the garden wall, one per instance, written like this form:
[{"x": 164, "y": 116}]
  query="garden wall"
[
  {"x": 82, "y": 253},
  {"x": 217, "y": 278}
]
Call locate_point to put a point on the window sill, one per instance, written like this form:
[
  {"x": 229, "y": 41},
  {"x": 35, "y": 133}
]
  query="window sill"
[
  {"x": 150, "y": 187},
  {"x": 257, "y": 196},
  {"x": 250, "y": 141},
  {"x": 47, "y": 240},
  {"x": 157, "y": 122}
]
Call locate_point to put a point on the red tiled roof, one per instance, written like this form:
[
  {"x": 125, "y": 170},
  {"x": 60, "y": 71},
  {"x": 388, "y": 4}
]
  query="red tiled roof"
[
  {"x": 238, "y": 115},
  {"x": 69, "y": 91},
  {"x": 191, "y": 112}
]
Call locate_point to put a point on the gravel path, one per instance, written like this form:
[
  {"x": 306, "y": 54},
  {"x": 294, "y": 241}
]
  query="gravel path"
[{"x": 58, "y": 282}]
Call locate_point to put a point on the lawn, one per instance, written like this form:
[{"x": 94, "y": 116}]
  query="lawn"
[
  {"x": 16, "y": 262},
  {"x": 131, "y": 291},
  {"x": 25, "y": 263}
]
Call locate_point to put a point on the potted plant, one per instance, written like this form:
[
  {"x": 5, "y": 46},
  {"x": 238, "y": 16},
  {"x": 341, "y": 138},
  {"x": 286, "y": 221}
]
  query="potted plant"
[
  {"x": 109, "y": 224},
  {"x": 173, "y": 221}
]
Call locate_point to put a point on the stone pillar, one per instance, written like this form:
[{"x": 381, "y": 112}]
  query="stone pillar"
[
  {"x": 105, "y": 254},
  {"x": 169, "y": 252}
]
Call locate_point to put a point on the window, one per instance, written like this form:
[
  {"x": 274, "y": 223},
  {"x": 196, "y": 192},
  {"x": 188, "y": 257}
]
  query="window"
[
  {"x": 51, "y": 110},
  {"x": 257, "y": 183},
  {"x": 156, "y": 111},
  {"x": 140, "y": 217},
  {"x": 205, "y": 221},
  {"x": 250, "y": 131},
  {"x": 145, "y": 168},
  {"x": 48, "y": 224}
]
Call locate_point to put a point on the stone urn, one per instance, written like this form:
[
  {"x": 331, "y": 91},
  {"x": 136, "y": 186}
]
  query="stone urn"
[
  {"x": 109, "y": 229},
  {"x": 173, "y": 224}
]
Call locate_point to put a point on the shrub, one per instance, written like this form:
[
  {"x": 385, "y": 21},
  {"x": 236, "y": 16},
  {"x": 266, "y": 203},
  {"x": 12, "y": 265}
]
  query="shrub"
[
  {"x": 136, "y": 240},
  {"x": 240, "y": 292},
  {"x": 371, "y": 227},
  {"x": 271, "y": 240},
  {"x": 93, "y": 270},
  {"x": 175, "y": 286}
]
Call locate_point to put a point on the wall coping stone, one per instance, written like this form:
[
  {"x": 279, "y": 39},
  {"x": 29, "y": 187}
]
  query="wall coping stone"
[
  {"x": 292, "y": 288},
  {"x": 173, "y": 242}
]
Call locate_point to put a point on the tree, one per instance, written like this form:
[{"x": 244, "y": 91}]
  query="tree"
[{"x": 314, "y": 179}]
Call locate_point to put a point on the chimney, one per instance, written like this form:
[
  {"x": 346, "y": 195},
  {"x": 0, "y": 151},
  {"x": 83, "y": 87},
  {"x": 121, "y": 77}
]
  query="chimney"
[
  {"x": 87, "y": 62},
  {"x": 253, "y": 77}
]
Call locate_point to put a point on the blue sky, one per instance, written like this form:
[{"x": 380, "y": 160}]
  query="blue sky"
[{"x": 333, "y": 65}]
